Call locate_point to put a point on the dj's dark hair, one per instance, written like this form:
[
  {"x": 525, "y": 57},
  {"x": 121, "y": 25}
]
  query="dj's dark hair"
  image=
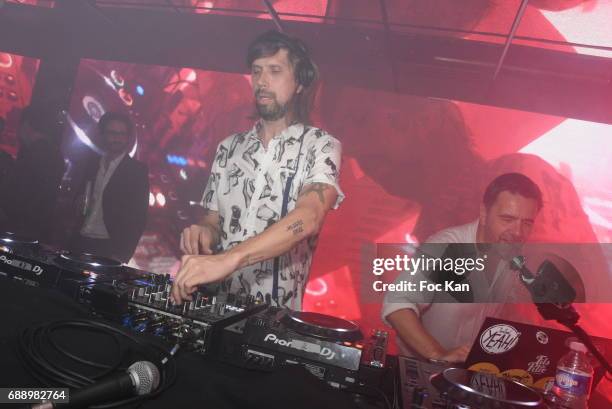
[
  {"x": 305, "y": 71},
  {"x": 515, "y": 183}
]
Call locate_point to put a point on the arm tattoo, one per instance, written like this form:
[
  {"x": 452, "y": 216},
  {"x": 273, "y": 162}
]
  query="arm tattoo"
[
  {"x": 317, "y": 188},
  {"x": 296, "y": 227}
]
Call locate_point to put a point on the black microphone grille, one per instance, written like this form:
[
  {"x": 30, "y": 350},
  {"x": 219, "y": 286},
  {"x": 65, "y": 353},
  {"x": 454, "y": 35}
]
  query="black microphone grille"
[{"x": 145, "y": 376}]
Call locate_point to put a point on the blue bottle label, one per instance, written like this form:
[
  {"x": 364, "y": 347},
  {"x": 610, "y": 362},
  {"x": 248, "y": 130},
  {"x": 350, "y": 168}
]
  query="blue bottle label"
[{"x": 575, "y": 383}]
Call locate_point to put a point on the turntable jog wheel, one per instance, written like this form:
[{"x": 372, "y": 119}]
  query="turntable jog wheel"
[
  {"x": 11, "y": 239},
  {"x": 322, "y": 326},
  {"x": 86, "y": 261},
  {"x": 484, "y": 390}
]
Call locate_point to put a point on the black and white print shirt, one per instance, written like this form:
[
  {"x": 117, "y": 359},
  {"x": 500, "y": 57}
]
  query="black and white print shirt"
[{"x": 246, "y": 186}]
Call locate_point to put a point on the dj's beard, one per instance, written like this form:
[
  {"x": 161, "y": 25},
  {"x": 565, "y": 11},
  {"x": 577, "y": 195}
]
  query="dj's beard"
[{"x": 273, "y": 111}]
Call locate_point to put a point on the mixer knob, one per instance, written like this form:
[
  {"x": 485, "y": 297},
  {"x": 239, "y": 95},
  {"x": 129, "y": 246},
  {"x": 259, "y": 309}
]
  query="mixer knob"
[
  {"x": 174, "y": 328},
  {"x": 418, "y": 396},
  {"x": 189, "y": 334},
  {"x": 196, "y": 301},
  {"x": 140, "y": 315},
  {"x": 127, "y": 321},
  {"x": 221, "y": 309},
  {"x": 141, "y": 326}
]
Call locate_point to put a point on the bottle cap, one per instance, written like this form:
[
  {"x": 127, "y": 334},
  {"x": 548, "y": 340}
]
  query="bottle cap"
[{"x": 577, "y": 346}]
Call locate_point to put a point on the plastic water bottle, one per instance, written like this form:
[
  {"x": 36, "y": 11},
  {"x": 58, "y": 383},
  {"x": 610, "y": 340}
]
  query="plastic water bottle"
[{"x": 574, "y": 377}]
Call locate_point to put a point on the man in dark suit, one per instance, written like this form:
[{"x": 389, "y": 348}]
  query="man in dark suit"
[{"x": 115, "y": 194}]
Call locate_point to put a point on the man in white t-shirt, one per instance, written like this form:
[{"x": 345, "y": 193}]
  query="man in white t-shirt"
[
  {"x": 269, "y": 188},
  {"x": 434, "y": 329}
]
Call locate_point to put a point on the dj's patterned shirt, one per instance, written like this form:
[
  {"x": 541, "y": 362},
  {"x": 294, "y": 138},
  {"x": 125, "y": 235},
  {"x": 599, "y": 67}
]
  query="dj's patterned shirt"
[{"x": 246, "y": 187}]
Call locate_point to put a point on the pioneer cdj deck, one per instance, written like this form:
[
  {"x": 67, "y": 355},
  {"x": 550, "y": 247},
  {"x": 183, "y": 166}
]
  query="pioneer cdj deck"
[
  {"x": 28, "y": 261},
  {"x": 330, "y": 348}
]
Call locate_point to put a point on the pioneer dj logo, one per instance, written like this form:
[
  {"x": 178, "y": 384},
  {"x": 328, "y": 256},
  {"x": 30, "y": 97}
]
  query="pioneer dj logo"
[
  {"x": 499, "y": 338},
  {"x": 300, "y": 345},
  {"x": 276, "y": 340},
  {"x": 24, "y": 265}
]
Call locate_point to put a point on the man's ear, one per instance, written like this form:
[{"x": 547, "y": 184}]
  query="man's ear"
[{"x": 299, "y": 89}]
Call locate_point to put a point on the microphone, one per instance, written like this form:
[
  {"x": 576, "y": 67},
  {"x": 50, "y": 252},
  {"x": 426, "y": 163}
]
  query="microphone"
[
  {"x": 548, "y": 285},
  {"x": 141, "y": 378},
  {"x": 550, "y": 291},
  {"x": 518, "y": 264}
]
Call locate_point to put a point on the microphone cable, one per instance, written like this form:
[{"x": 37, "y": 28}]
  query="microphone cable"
[{"x": 36, "y": 343}]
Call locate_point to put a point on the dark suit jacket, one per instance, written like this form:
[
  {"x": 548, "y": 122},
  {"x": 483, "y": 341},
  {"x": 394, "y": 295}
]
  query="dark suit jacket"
[{"x": 125, "y": 202}]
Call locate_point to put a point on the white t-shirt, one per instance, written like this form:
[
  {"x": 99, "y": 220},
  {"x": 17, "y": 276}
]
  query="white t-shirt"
[
  {"x": 454, "y": 324},
  {"x": 246, "y": 186}
]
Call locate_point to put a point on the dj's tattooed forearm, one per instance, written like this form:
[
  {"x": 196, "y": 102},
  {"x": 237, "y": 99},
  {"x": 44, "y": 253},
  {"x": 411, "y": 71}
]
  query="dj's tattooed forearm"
[
  {"x": 296, "y": 227},
  {"x": 317, "y": 188}
]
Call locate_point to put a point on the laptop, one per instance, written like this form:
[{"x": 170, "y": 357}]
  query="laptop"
[{"x": 526, "y": 353}]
